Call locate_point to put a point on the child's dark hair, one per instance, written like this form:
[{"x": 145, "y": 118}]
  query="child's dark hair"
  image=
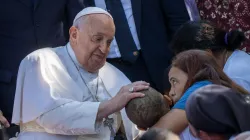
[
  {"x": 154, "y": 134},
  {"x": 205, "y": 35},
  {"x": 146, "y": 111}
]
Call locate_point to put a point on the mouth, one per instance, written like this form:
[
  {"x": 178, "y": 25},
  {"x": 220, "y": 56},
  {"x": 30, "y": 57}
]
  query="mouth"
[{"x": 99, "y": 57}]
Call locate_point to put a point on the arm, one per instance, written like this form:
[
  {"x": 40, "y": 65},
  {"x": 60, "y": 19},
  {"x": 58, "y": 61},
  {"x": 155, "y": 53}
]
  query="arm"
[
  {"x": 175, "y": 121},
  {"x": 176, "y": 14},
  {"x": 50, "y": 98},
  {"x": 74, "y": 118},
  {"x": 79, "y": 118}
]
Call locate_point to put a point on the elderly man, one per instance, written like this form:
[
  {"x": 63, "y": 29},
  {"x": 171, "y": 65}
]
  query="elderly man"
[{"x": 70, "y": 92}]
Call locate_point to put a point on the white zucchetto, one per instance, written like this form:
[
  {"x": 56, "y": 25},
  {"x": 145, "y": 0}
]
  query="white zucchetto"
[{"x": 89, "y": 11}]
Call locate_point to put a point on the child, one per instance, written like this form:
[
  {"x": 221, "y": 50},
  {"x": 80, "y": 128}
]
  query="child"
[{"x": 146, "y": 111}]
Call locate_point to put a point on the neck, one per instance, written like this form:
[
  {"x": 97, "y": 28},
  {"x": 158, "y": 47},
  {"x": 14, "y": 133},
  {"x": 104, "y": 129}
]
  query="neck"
[
  {"x": 226, "y": 56},
  {"x": 223, "y": 57}
]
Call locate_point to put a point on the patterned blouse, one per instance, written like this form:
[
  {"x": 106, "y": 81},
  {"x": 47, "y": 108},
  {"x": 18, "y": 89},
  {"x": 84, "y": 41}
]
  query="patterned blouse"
[{"x": 228, "y": 15}]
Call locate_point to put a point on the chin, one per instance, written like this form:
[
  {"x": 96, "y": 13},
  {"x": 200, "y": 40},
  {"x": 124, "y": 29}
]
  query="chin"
[{"x": 99, "y": 67}]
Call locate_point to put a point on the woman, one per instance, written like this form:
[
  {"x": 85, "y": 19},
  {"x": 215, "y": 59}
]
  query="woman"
[
  {"x": 224, "y": 114},
  {"x": 191, "y": 70},
  {"x": 224, "y": 46},
  {"x": 226, "y": 14}
]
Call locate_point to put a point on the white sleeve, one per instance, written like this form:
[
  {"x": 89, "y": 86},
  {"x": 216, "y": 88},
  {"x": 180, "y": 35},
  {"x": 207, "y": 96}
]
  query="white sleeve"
[
  {"x": 73, "y": 118},
  {"x": 243, "y": 83}
]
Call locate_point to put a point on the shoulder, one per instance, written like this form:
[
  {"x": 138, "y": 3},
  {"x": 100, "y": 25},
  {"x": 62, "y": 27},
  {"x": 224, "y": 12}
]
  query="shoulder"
[
  {"x": 37, "y": 56},
  {"x": 34, "y": 56},
  {"x": 112, "y": 70},
  {"x": 181, "y": 104},
  {"x": 237, "y": 64}
]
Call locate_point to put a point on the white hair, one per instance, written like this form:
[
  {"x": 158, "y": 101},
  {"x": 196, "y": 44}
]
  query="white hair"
[{"x": 80, "y": 21}]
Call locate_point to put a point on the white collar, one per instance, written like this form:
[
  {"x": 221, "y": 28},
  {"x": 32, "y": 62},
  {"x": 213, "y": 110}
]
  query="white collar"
[{"x": 73, "y": 55}]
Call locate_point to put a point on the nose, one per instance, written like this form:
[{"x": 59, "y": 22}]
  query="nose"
[
  {"x": 103, "y": 47},
  {"x": 171, "y": 92}
]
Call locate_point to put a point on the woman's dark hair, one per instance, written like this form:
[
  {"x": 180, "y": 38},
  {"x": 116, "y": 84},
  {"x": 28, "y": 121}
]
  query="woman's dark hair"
[
  {"x": 166, "y": 83},
  {"x": 201, "y": 65},
  {"x": 205, "y": 35}
]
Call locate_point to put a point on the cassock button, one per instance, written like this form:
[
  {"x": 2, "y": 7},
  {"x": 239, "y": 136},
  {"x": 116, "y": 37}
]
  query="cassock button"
[{"x": 135, "y": 53}]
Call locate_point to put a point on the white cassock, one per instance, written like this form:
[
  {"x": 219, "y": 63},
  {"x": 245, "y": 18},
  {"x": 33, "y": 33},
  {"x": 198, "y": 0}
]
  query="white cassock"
[{"x": 58, "y": 100}]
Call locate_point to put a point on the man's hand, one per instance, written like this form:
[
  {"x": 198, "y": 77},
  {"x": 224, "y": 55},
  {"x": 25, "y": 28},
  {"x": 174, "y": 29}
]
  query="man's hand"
[
  {"x": 3, "y": 120},
  {"x": 128, "y": 93},
  {"x": 125, "y": 94}
]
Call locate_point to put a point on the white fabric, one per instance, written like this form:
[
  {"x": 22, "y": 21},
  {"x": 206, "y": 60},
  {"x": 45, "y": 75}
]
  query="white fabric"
[
  {"x": 127, "y": 6},
  {"x": 192, "y": 10},
  {"x": 56, "y": 98},
  {"x": 186, "y": 135},
  {"x": 89, "y": 11},
  {"x": 238, "y": 69},
  {"x": 93, "y": 82}
]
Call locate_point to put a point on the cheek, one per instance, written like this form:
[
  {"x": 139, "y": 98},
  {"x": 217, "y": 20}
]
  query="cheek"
[
  {"x": 179, "y": 90},
  {"x": 181, "y": 87}
]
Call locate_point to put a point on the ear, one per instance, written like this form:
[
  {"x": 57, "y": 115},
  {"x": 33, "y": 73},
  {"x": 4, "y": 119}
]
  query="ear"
[{"x": 73, "y": 32}]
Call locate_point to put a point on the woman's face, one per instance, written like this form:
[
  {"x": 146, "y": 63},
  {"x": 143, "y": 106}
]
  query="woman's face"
[{"x": 178, "y": 80}]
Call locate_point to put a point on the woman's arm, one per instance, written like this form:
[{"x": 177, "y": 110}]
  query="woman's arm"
[{"x": 175, "y": 121}]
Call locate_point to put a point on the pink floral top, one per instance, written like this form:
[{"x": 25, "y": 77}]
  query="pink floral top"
[{"x": 228, "y": 15}]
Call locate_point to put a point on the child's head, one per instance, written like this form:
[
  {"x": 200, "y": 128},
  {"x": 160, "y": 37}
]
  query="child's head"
[{"x": 146, "y": 111}]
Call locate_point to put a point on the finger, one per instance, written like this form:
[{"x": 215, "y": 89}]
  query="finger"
[
  {"x": 140, "y": 88},
  {"x": 168, "y": 99},
  {"x": 4, "y": 121},
  {"x": 135, "y": 95},
  {"x": 140, "y": 83}
]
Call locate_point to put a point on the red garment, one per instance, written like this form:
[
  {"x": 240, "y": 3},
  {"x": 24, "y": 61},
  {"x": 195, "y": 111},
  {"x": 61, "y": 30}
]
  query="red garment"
[{"x": 228, "y": 15}]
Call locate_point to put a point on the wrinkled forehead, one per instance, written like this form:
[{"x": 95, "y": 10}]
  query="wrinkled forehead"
[
  {"x": 97, "y": 20},
  {"x": 99, "y": 23}
]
